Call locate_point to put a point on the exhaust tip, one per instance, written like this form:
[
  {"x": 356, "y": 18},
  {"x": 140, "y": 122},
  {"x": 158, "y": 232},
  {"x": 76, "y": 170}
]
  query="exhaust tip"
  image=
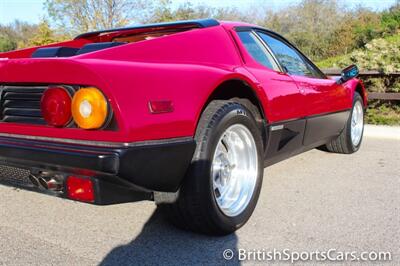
[
  {"x": 43, "y": 183},
  {"x": 47, "y": 181},
  {"x": 34, "y": 180}
]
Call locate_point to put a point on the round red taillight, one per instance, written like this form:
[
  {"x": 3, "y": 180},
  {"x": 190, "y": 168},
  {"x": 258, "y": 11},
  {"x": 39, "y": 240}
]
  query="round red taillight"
[{"x": 56, "y": 106}]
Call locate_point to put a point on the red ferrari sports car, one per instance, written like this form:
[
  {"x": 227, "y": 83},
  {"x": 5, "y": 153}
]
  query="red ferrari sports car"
[{"x": 186, "y": 113}]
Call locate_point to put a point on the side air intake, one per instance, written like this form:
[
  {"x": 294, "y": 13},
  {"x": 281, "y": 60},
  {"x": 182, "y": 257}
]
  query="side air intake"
[
  {"x": 55, "y": 52},
  {"x": 69, "y": 51}
]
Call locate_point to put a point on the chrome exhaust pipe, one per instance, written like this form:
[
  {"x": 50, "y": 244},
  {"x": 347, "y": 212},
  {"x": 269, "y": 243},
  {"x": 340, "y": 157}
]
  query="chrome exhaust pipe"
[
  {"x": 43, "y": 183},
  {"x": 51, "y": 183},
  {"x": 34, "y": 180},
  {"x": 47, "y": 180}
]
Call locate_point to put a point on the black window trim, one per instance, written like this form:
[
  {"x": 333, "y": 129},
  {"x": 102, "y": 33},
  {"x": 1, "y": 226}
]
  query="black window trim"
[{"x": 282, "y": 39}]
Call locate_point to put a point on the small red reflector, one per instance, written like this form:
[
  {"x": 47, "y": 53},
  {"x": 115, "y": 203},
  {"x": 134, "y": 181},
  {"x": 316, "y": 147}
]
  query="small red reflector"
[
  {"x": 80, "y": 189},
  {"x": 56, "y": 106},
  {"x": 158, "y": 107}
]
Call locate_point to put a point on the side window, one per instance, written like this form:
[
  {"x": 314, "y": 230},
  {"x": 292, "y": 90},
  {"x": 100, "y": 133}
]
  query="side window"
[
  {"x": 257, "y": 50},
  {"x": 289, "y": 58}
]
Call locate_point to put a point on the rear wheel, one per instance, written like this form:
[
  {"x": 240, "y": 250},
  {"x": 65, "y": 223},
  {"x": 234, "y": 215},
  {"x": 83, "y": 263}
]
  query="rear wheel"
[
  {"x": 349, "y": 141},
  {"x": 223, "y": 183}
]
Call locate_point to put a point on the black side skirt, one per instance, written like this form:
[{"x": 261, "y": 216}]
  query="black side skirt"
[{"x": 288, "y": 138}]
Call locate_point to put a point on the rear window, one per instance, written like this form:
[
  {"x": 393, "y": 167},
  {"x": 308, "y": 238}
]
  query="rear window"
[{"x": 143, "y": 36}]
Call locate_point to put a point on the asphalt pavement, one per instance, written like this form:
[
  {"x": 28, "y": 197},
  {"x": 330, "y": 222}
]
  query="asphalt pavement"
[{"x": 316, "y": 201}]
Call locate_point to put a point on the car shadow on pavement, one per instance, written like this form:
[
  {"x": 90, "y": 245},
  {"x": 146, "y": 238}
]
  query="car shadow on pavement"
[{"x": 159, "y": 243}]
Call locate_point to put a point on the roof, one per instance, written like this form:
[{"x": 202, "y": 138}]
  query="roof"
[
  {"x": 199, "y": 23},
  {"x": 234, "y": 24}
]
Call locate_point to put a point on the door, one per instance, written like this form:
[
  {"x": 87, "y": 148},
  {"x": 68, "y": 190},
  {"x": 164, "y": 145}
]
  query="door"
[
  {"x": 325, "y": 100},
  {"x": 285, "y": 104}
]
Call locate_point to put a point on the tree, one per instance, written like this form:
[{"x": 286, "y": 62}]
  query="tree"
[
  {"x": 6, "y": 44},
  {"x": 367, "y": 26},
  {"x": 391, "y": 19},
  {"x": 163, "y": 10},
  {"x": 45, "y": 35},
  {"x": 309, "y": 24},
  {"x": 21, "y": 35},
  {"x": 19, "y": 32},
  {"x": 77, "y": 16}
]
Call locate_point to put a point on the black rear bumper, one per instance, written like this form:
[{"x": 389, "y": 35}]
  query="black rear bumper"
[{"x": 146, "y": 166}]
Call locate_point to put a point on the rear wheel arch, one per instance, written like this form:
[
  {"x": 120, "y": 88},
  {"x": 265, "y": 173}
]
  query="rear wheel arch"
[
  {"x": 236, "y": 88},
  {"x": 242, "y": 92}
]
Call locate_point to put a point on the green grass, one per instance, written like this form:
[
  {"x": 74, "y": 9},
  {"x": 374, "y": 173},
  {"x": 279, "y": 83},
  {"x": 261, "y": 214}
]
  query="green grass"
[
  {"x": 393, "y": 38},
  {"x": 330, "y": 62},
  {"x": 383, "y": 114}
]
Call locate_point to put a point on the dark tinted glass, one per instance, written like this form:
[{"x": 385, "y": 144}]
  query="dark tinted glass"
[
  {"x": 256, "y": 49},
  {"x": 288, "y": 57}
]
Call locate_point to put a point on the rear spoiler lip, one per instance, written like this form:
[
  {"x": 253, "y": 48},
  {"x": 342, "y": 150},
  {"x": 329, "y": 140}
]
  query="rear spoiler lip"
[{"x": 199, "y": 23}]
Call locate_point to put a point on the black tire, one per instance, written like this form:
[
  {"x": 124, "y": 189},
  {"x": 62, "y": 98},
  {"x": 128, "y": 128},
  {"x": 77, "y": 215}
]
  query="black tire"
[
  {"x": 343, "y": 143},
  {"x": 196, "y": 208}
]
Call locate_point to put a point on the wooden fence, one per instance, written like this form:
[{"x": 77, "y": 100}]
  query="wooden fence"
[{"x": 385, "y": 96}]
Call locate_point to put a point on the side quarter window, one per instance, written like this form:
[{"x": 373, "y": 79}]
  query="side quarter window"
[
  {"x": 257, "y": 50},
  {"x": 289, "y": 57}
]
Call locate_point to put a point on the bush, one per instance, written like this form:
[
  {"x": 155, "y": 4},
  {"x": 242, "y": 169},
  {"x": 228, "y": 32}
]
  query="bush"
[
  {"x": 379, "y": 54},
  {"x": 390, "y": 20},
  {"x": 383, "y": 113},
  {"x": 6, "y": 44}
]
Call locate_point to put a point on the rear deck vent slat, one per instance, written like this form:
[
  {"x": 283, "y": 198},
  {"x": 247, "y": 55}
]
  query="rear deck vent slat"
[
  {"x": 22, "y": 96},
  {"x": 20, "y": 104},
  {"x": 22, "y": 112}
]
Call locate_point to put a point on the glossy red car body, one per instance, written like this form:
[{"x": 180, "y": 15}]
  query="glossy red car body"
[{"x": 186, "y": 68}]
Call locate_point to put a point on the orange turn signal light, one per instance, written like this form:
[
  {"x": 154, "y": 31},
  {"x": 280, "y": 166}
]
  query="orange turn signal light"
[{"x": 89, "y": 108}]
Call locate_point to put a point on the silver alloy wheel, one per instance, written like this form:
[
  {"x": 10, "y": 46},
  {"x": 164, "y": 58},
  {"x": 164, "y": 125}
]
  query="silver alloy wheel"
[
  {"x": 357, "y": 123},
  {"x": 234, "y": 170}
]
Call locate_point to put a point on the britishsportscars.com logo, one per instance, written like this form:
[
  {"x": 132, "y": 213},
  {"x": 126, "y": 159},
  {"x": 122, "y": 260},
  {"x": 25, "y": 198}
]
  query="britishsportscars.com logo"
[{"x": 288, "y": 255}]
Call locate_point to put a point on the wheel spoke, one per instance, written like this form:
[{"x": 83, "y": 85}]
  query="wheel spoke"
[
  {"x": 234, "y": 169},
  {"x": 224, "y": 145},
  {"x": 221, "y": 149}
]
